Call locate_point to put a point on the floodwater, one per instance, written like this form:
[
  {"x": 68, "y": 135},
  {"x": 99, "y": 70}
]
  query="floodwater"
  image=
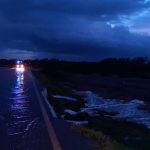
[
  {"x": 122, "y": 109},
  {"x": 21, "y": 123}
]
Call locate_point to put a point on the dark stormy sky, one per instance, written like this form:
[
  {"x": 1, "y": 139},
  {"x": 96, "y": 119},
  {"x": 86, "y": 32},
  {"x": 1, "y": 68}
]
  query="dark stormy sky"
[{"x": 74, "y": 29}]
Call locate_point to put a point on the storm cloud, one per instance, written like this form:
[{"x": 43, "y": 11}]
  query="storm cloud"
[{"x": 81, "y": 29}]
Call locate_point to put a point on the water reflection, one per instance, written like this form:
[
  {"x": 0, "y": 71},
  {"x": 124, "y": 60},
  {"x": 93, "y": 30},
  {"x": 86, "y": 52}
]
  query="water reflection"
[
  {"x": 19, "y": 103},
  {"x": 20, "y": 78},
  {"x": 20, "y": 83},
  {"x": 25, "y": 128},
  {"x": 19, "y": 106}
]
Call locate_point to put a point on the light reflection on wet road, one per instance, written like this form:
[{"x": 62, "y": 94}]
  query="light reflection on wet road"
[
  {"x": 19, "y": 107},
  {"x": 21, "y": 122}
]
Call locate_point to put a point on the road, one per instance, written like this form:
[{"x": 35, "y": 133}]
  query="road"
[{"x": 26, "y": 122}]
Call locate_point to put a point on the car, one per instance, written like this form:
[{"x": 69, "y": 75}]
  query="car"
[{"x": 20, "y": 66}]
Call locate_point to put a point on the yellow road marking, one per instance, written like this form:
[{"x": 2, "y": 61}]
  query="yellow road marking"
[{"x": 52, "y": 134}]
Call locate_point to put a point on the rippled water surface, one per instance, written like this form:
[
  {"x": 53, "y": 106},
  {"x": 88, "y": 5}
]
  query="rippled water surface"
[
  {"x": 20, "y": 110},
  {"x": 21, "y": 121}
]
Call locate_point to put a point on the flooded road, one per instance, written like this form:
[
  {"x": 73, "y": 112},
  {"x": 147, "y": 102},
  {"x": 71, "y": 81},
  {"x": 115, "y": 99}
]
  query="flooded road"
[{"x": 22, "y": 125}]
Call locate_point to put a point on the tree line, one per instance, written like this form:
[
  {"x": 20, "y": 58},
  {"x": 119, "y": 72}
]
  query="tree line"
[{"x": 126, "y": 67}]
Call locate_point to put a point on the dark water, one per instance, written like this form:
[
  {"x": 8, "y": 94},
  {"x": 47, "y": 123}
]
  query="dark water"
[{"x": 21, "y": 122}]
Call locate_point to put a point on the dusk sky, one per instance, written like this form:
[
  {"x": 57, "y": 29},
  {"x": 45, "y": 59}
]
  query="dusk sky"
[{"x": 74, "y": 29}]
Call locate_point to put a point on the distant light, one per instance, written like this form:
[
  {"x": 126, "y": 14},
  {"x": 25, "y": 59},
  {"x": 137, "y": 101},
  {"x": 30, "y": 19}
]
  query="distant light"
[{"x": 20, "y": 69}]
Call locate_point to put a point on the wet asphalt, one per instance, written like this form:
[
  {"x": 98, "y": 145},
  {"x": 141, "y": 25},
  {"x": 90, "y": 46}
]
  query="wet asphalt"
[{"x": 21, "y": 122}]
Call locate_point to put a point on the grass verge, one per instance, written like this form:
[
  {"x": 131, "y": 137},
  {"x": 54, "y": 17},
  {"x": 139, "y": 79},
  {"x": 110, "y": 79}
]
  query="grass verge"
[
  {"x": 122, "y": 134},
  {"x": 103, "y": 142}
]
